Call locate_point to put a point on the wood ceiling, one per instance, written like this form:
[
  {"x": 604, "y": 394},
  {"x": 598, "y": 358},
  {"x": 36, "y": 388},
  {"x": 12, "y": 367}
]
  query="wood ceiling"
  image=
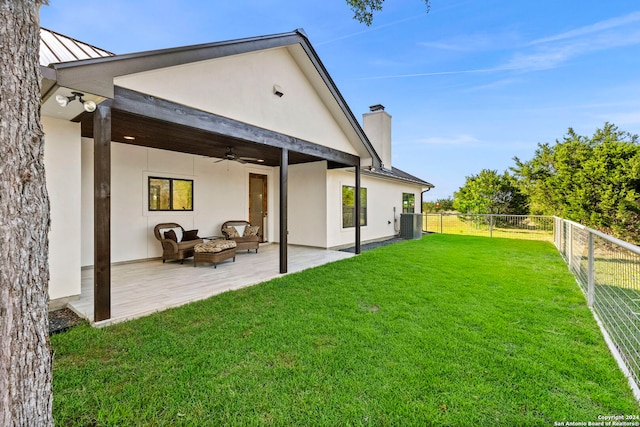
[{"x": 154, "y": 133}]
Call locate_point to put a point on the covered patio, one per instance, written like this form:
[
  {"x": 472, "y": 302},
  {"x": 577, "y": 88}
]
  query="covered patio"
[
  {"x": 142, "y": 288},
  {"x": 203, "y": 104}
]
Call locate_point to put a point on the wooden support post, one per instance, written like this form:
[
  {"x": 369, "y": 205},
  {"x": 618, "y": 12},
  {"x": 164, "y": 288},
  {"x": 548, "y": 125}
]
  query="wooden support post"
[
  {"x": 358, "y": 209},
  {"x": 284, "y": 178},
  {"x": 102, "y": 212}
]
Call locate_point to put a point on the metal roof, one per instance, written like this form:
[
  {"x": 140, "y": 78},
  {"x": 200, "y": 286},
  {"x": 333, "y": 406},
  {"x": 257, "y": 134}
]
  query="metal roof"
[
  {"x": 56, "y": 47},
  {"x": 395, "y": 173}
]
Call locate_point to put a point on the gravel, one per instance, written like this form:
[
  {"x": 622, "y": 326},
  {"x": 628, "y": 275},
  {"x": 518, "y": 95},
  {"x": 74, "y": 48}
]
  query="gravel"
[
  {"x": 373, "y": 245},
  {"x": 62, "y": 320}
]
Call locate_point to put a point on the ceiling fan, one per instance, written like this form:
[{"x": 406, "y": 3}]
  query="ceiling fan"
[{"x": 230, "y": 155}]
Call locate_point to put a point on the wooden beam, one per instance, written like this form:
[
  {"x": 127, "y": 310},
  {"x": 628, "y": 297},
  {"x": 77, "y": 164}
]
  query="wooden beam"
[
  {"x": 284, "y": 232},
  {"x": 102, "y": 212},
  {"x": 157, "y": 108},
  {"x": 358, "y": 208}
]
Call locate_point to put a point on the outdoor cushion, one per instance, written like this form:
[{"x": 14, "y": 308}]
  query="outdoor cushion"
[
  {"x": 214, "y": 246},
  {"x": 171, "y": 235},
  {"x": 176, "y": 230},
  {"x": 190, "y": 235},
  {"x": 231, "y": 232},
  {"x": 251, "y": 230}
]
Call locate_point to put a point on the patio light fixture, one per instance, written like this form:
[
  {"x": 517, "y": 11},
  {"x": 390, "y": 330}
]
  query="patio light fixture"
[{"x": 63, "y": 101}]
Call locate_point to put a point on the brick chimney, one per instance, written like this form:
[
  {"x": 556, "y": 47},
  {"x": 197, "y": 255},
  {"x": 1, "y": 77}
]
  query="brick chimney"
[{"x": 377, "y": 126}]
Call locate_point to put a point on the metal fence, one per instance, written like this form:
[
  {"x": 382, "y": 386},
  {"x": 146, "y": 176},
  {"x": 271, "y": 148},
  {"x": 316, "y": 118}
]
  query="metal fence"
[
  {"x": 529, "y": 227},
  {"x": 608, "y": 272}
]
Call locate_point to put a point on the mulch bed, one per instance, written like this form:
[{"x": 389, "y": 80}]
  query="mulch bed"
[{"x": 62, "y": 320}]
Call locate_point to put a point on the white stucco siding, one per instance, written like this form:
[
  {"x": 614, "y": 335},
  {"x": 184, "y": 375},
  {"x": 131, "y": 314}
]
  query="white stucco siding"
[
  {"x": 220, "y": 194},
  {"x": 63, "y": 170},
  {"x": 241, "y": 87},
  {"x": 307, "y": 216},
  {"x": 383, "y": 196}
]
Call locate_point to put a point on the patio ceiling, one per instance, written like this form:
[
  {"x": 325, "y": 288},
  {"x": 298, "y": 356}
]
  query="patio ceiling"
[
  {"x": 154, "y": 122},
  {"x": 155, "y": 133}
]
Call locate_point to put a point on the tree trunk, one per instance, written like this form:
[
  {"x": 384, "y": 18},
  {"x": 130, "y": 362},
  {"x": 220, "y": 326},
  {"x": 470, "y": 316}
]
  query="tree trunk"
[{"x": 25, "y": 353}]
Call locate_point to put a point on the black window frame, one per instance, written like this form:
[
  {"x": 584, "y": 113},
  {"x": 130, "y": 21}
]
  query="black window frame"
[
  {"x": 171, "y": 201},
  {"x": 363, "y": 207},
  {"x": 405, "y": 209}
]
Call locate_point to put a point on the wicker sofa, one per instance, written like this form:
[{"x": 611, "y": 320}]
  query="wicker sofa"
[
  {"x": 247, "y": 239},
  {"x": 178, "y": 249}
]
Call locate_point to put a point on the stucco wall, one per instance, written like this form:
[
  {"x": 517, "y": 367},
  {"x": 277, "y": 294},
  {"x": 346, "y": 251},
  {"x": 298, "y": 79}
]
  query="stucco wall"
[
  {"x": 62, "y": 167},
  {"x": 241, "y": 87},
  {"x": 307, "y": 219},
  {"x": 220, "y": 194},
  {"x": 382, "y": 197}
]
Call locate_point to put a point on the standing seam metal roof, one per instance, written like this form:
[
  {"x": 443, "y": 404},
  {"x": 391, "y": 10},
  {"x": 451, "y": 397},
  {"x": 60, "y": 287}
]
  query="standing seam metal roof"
[{"x": 56, "y": 47}]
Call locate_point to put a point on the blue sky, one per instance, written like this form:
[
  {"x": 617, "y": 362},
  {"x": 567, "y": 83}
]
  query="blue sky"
[{"x": 470, "y": 85}]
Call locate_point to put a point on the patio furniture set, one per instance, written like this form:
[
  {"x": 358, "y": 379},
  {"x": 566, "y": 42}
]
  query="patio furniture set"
[{"x": 178, "y": 243}]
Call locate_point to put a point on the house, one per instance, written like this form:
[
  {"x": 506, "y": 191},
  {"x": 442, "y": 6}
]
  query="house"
[{"x": 245, "y": 129}]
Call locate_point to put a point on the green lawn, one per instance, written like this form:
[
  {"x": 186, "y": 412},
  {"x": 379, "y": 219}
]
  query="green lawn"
[{"x": 449, "y": 330}]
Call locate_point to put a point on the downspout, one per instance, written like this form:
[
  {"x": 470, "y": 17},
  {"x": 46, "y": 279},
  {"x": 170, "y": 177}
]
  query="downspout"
[{"x": 422, "y": 198}]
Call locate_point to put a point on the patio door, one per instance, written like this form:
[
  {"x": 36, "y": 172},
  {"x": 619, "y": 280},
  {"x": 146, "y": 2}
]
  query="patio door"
[{"x": 258, "y": 202}]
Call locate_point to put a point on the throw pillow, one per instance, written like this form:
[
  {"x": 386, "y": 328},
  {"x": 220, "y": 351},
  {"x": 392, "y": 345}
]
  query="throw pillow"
[
  {"x": 190, "y": 235},
  {"x": 171, "y": 235},
  {"x": 231, "y": 232},
  {"x": 251, "y": 230}
]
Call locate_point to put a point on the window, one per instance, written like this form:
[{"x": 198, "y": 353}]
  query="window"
[
  {"x": 408, "y": 203},
  {"x": 349, "y": 206},
  {"x": 169, "y": 194}
]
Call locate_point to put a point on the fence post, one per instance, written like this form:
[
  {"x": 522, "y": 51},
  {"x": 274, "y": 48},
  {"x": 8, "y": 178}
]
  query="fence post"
[
  {"x": 591, "y": 273},
  {"x": 441, "y": 230},
  {"x": 490, "y": 225},
  {"x": 570, "y": 247}
]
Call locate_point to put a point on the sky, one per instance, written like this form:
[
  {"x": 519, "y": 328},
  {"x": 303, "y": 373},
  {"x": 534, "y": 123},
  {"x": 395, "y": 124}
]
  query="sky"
[{"x": 470, "y": 84}]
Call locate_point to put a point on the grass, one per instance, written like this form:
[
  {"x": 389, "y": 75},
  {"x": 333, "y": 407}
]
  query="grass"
[{"x": 449, "y": 330}]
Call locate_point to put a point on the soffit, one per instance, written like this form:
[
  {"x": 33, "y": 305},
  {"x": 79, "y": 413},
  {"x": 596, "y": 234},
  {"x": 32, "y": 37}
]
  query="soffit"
[{"x": 153, "y": 133}]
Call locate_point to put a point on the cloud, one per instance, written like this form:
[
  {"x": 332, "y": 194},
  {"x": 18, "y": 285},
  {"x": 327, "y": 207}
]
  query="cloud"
[
  {"x": 370, "y": 29},
  {"x": 598, "y": 27},
  {"x": 474, "y": 42},
  {"x": 626, "y": 118},
  {"x": 553, "y": 51},
  {"x": 543, "y": 53},
  {"x": 434, "y": 73}
]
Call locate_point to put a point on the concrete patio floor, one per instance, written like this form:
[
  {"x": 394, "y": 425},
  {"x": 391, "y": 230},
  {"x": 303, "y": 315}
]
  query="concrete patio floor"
[{"x": 141, "y": 288}]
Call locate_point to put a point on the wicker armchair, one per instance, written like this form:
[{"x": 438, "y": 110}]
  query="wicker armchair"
[
  {"x": 242, "y": 241},
  {"x": 171, "y": 249}
]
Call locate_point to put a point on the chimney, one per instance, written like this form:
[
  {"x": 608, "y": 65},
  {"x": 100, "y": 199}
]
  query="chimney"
[{"x": 377, "y": 126}]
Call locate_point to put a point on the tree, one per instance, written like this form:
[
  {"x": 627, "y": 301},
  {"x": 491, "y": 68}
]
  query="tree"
[
  {"x": 363, "y": 10},
  {"x": 440, "y": 205},
  {"x": 25, "y": 354},
  {"x": 490, "y": 193},
  {"x": 594, "y": 181}
]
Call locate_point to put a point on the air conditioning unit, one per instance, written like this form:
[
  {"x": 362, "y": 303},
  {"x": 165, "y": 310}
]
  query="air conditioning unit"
[{"x": 411, "y": 226}]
